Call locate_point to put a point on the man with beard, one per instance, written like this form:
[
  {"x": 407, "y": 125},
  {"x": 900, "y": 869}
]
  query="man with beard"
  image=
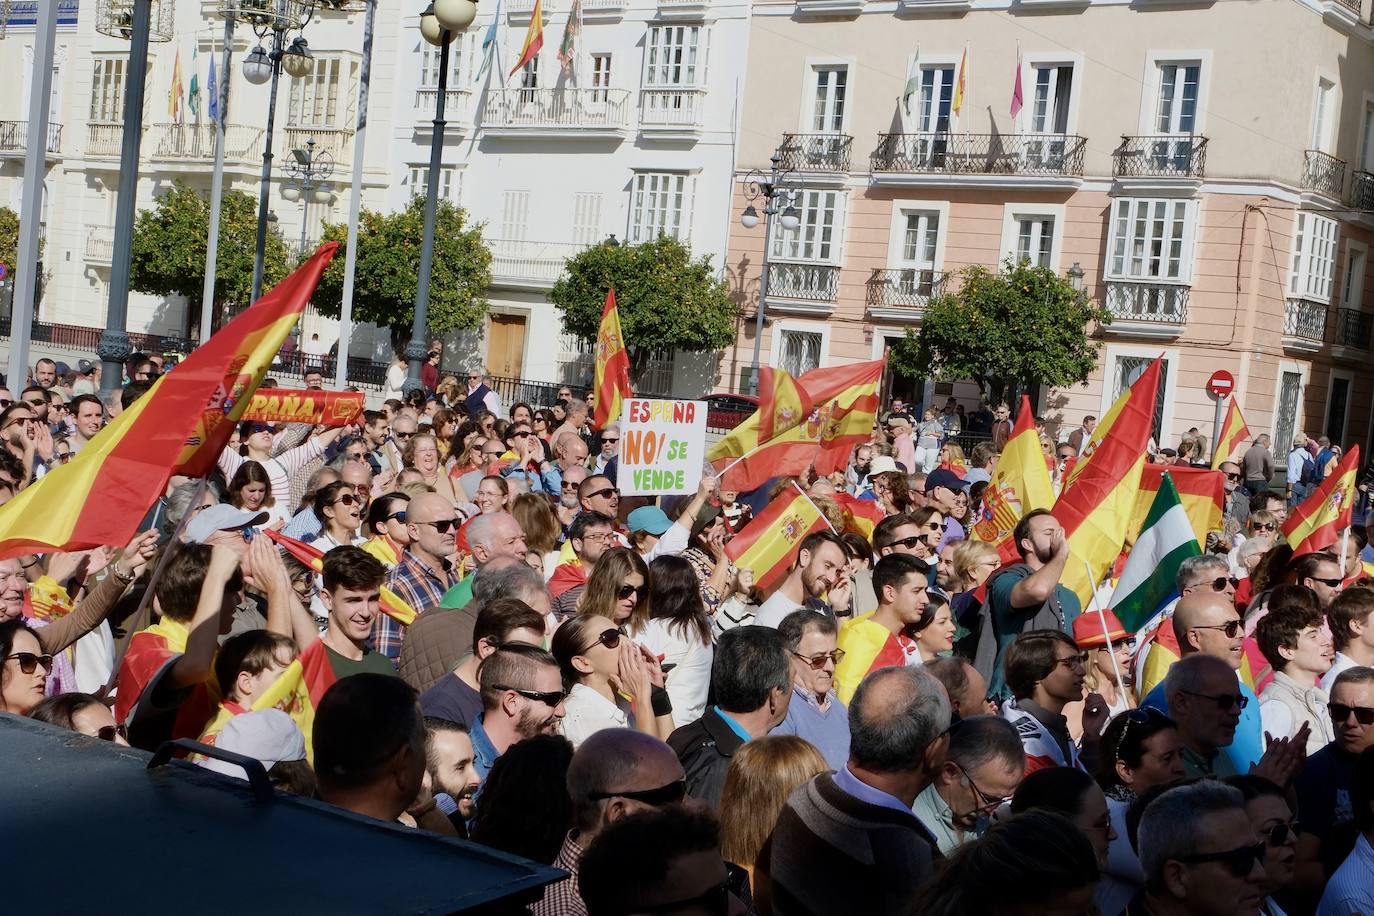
[
  {"x": 522, "y": 696},
  {"x": 1026, "y": 596},
  {"x": 569, "y": 505},
  {"x": 820, "y": 569},
  {"x": 451, "y": 771},
  {"x": 880, "y": 640}
]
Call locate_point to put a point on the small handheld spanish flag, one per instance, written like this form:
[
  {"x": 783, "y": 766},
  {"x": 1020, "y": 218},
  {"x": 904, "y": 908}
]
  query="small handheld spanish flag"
[
  {"x": 1318, "y": 520},
  {"x": 393, "y": 605},
  {"x": 1233, "y": 434}
]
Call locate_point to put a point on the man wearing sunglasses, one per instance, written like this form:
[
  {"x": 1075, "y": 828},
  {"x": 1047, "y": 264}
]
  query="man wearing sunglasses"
[
  {"x": 1200, "y": 854},
  {"x": 598, "y": 494},
  {"x": 569, "y": 452},
  {"x": 522, "y": 696},
  {"x": 815, "y": 712},
  {"x": 615, "y": 773},
  {"x": 425, "y": 571},
  {"x": 982, "y": 769},
  {"x": 1322, "y": 573}
]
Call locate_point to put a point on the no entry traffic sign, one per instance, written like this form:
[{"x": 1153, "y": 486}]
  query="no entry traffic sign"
[{"x": 1221, "y": 383}]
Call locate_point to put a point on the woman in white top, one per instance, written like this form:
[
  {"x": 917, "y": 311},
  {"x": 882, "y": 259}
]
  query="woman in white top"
[
  {"x": 341, "y": 515},
  {"x": 674, "y": 628},
  {"x": 255, "y": 444},
  {"x": 934, "y": 632},
  {"x": 608, "y": 679},
  {"x": 252, "y": 490}
]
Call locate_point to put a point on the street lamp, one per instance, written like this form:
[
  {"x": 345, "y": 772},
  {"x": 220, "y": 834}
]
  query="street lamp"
[
  {"x": 276, "y": 18},
  {"x": 1075, "y": 274},
  {"x": 768, "y": 189},
  {"x": 438, "y": 24},
  {"x": 307, "y": 171}
]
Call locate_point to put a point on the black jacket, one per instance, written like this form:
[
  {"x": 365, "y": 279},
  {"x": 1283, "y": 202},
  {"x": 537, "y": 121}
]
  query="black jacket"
[{"x": 705, "y": 747}]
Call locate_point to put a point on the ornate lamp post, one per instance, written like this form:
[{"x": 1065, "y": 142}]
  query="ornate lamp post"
[
  {"x": 307, "y": 173},
  {"x": 767, "y": 188}
]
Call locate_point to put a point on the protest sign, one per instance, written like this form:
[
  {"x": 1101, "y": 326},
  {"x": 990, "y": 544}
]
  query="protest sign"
[
  {"x": 330, "y": 408},
  {"x": 662, "y": 446}
]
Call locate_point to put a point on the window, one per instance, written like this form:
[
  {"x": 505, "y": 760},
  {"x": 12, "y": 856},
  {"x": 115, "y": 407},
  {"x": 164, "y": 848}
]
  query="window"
[
  {"x": 1314, "y": 257},
  {"x": 586, "y": 218},
  {"x": 1050, "y": 101},
  {"x": 828, "y": 85},
  {"x": 1151, "y": 240},
  {"x": 419, "y": 181},
  {"x": 1035, "y": 240},
  {"x": 529, "y": 80},
  {"x": 800, "y": 351},
  {"x": 817, "y": 238},
  {"x": 315, "y": 97},
  {"x": 1128, "y": 370},
  {"x": 937, "y": 92},
  {"x": 1321, "y": 114},
  {"x": 1286, "y": 417},
  {"x": 671, "y": 57},
  {"x": 107, "y": 90},
  {"x": 1176, "y": 105},
  {"x": 429, "y": 65},
  {"x": 601, "y": 76},
  {"x": 1352, "y": 289},
  {"x": 658, "y": 206},
  {"x": 1337, "y": 407},
  {"x": 920, "y": 247},
  {"x": 1367, "y": 138},
  {"x": 515, "y": 212}
]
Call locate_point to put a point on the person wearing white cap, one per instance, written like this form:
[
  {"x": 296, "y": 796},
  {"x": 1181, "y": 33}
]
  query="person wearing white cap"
[{"x": 272, "y": 738}]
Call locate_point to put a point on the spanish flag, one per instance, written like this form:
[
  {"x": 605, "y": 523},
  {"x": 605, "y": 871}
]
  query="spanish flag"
[
  {"x": 180, "y": 426},
  {"x": 960, "y": 85},
  {"x": 1099, "y": 498},
  {"x": 1317, "y": 522},
  {"x": 847, "y": 416},
  {"x": 1233, "y": 434},
  {"x": 534, "y": 38},
  {"x": 612, "y": 366},
  {"x": 296, "y": 692},
  {"x": 782, "y": 403},
  {"x": 393, "y": 605},
  {"x": 861, "y": 516},
  {"x": 1020, "y": 484},
  {"x": 769, "y": 543},
  {"x": 784, "y": 406}
]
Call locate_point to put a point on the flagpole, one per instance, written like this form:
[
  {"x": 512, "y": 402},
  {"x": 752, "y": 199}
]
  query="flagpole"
[
  {"x": 355, "y": 203},
  {"x": 207, "y": 296},
  {"x": 814, "y": 506},
  {"x": 1106, "y": 633}
]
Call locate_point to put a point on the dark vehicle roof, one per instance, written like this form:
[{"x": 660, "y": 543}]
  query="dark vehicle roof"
[{"x": 179, "y": 836}]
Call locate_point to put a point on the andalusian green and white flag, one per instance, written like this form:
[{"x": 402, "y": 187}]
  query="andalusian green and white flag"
[{"x": 1150, "y": 577}]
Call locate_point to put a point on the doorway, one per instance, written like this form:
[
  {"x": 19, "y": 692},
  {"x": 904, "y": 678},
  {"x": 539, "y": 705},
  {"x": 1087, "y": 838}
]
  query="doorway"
[{"x": 506, "y": 346}]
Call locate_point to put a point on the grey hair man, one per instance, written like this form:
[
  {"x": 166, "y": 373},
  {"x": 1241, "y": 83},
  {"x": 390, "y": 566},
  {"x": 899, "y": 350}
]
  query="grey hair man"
[
  {"x": 1200, "y": 854},
  {"x": 984, "y": 765},
  {"x": 815, "y": 712},
  {"x": 847, "y": 842},
  {"x": 615, "y": 773}
]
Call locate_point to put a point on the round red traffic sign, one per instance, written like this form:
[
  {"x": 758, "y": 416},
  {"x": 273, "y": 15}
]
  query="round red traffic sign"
[{"x": 1221, "y": 383}]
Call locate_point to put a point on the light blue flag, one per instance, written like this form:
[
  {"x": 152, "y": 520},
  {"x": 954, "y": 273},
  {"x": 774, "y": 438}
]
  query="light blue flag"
[
  {"x": 489, "y": 44},
  {"x": 213, "y": 89}
]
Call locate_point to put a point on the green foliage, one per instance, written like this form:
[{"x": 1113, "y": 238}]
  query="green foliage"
[
  {"x": 9, "y": 240},
  {"x": 170, "y": 243},
  {"x": 388, "y": 266},
  {"x": 667, "y": 301},
  {"x": 1025, "y": 324}
]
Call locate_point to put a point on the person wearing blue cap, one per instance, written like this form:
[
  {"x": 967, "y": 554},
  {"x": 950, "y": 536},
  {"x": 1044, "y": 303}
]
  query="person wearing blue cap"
[
  {"x": 653, "y": 534},
  {"x": 942, "y": 485}
]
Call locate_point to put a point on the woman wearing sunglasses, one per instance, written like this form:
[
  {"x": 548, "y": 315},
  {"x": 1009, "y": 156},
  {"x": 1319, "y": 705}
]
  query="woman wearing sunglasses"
[
  {"x": 617, "y": 586},
  {"x": 341, "y": 515},
  {"x": 386, "y": 525},
  {"x": 82, "y": 713},
  {"x": 1267, "y": 807},
  {"x": 610, "y": 681},
  {"x": 1104, "y": 696},
  {"x": 674, "y": 627},
  {"x": 256, "y": 440},
  {"x": 24, "y": 676}
]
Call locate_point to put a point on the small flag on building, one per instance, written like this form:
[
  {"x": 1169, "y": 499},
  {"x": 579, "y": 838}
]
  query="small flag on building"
[
  {"x": 572, "y": 32},
  {"x": 960, "y": 85},
  {"x": 175, "y": 91},
  {"x": 1017, "y": 99},
  {"x": 534, "y": 38},
  {"x": 194, "y": 98}
]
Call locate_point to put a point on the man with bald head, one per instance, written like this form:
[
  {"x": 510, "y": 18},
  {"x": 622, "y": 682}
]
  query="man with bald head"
[
  {"x": 1206, "y": 623},
  {"x": 425, "y": 570},
  {"x": 569, "y": 452},
  {"x": 490, "y": 537},
  {"x": 616, "y": 772},
  {"x": 568, "y": 505}
]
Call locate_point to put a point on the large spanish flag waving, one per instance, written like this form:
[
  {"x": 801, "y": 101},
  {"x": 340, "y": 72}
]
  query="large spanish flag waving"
[
  {"x": 769, "y": 543},
  {"x": 741, "y": 455},
  {"x": 1099, "y": 498},
  {"x": 1020, "y": 484},
  {"x": 1233, "y": 434},
  {"x": 181, "y": 424},
  {"x": 534, "y": 38},
  {"x": 612, "y": 380},
  {"x": 1317, "y": 522}
]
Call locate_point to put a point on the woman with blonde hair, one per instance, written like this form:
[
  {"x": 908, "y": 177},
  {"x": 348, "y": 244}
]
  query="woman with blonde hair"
[
  {"x": 536, "y": 518},
  {"x": 952, "y": 459},
  {"x": 422, "y": 454},
  {"x": 973, "y": 562},
  {"x": 761, "y": 775},
  {"x": 618, "y": 586}
]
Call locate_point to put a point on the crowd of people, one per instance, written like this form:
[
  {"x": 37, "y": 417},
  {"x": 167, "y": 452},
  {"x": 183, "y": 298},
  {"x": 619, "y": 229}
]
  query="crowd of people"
[{"x": 907, "y": 723}]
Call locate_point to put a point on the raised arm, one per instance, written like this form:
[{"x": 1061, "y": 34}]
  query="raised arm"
[{"x": 98, "y": 603}]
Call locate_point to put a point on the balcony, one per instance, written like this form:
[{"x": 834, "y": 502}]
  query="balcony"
[
  {"x": 1163, "y": 156},
  {"x": 518, "y": 11},
  {"x": 1351, "y": 340},
  {"x": 14, "y": 139},
  {"x": 1344, "y": 15},
  {"x": 803, "y": 288},
  {"x": 336, "y": 141},
  {"x": 103, "y": 140},
  {"x": 823, "y": 153},
  {"x": 1323, "y": 174},
  {"x": 1362, "y": 191},
  {"x": 100, "y": 245},
  {"x": 682, "y": 9},
  {"x": 671, "y": 114},
  {"x": 427, "y": 99},
  {"x": 557, "y": 113},
  {"x": 901, "y": 294},
  {"x": 1141, "y": 308},
  {"x": 995, "y": 160},
  {"x": 518, "y": 264},
  {"x": 194, "y": 144},
  {"x": 1304, "y": 324}
]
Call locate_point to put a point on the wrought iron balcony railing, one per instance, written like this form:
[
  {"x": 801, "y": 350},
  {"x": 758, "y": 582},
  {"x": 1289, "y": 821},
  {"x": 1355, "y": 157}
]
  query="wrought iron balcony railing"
[
  {"x": 815, "y": 152},
  {"x": 1304, "y": 320},
  {"x": 1323, "y": 173},
  {"x": 980, "y": 154},
  {"x": 1163, "y": 156},
  {"x": 1353, "y": 328},
  {"x": 904, "y": 287},
  {"x": 1362, "y": 190},
  {"x": 1142, "y": 300},
  {"x": 14, "y": 137},
  {"x": 564, "y": 109},
  {"x": 811, "y": 282}
]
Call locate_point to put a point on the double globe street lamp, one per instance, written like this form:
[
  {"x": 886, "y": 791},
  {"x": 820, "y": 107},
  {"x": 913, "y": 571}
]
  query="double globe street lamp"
[{"x": 768, "y": 189}]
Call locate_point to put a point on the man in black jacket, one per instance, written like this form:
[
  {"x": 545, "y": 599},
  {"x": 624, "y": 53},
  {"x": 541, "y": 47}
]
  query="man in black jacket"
[{"x": 751, "y": 682}]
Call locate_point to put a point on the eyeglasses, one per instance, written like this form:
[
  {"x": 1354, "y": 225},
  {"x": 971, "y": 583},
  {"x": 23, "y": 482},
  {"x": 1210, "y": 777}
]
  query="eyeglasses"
[
  {"x": 247, "y": 532},
  {"x": 1239, "y": 861},
  {"x": 110, "y": 732},
  {"x": 551, "y": 699},
  {"x": 817, "y": 662},
  {"x": 63, "y": 457},
  {"x": 1329, "y": 583},
  {"x": 986, "y": 803},
  {"x": 37, "y": 403},
  {"x": 400, "y": 435},
  {"x": 602, "y": 536},
  {"x": 1137, "y": 716},
  {"x": 1264, "y": 526},
  {"x": 608, "y": 638},
  {"x": 1219, "y": 583},
  {"x": 606, "y": 493},
  {"x": 260, "y": 428},
  {"x": 1073, "y": 661},
  {"x": 607, "y": 439},
  {"x": 1234, "y": 478},
  {"x": 1341, "y": 713},
  {"x": 356, "y": 456},
  {"x": 1231, "y": 628},
  {"x": 305, "y": 590},
  {"x": 1224, "y": 701},
  {"x": 912, "y": 541},
  {"x": 5, "y": 402},
  {"x": 396, "y": 516},
  {"x": 28, "y": 661},
  {"x": 348, "y": 499},
  {"x": 940, "y": 526},
  {"x": 568, "y": 485},
  {"x": 670, "y": 794},
  {"x": 639, "y": 591},
  {"x": 1278, "y": 834},
  {"x": 442, "y": 525},
  {"x": 523, "y": 435}
]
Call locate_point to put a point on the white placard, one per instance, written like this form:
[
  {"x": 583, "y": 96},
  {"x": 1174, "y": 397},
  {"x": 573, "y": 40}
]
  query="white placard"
[{"x": 662, "y": 447}]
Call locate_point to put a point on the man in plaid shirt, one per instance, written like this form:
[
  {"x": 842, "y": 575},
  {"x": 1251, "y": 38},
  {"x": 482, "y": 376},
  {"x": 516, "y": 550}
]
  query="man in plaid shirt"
[
  {"x": 603, "y": 791},
  {"x": 425, "y": 571}
]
